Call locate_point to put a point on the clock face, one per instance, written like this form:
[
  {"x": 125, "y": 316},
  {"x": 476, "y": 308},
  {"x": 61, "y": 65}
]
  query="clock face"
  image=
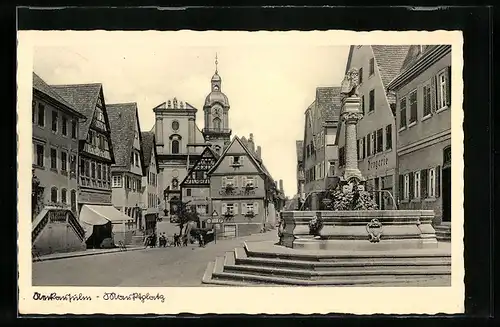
[{"x": 217, "y": 111}]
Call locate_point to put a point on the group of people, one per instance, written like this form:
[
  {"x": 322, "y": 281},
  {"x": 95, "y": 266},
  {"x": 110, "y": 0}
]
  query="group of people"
[{"x": 179, "y": 240}]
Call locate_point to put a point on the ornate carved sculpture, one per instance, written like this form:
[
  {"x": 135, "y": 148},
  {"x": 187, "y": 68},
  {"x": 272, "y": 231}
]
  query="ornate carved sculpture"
[
  {"x": 374, "y": 229},
  {"x": 350, "y": 84},
  {"x": 351, "y": 117}
]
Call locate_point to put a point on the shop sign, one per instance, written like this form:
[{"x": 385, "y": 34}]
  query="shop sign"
[{"x": 377, "y": 163}]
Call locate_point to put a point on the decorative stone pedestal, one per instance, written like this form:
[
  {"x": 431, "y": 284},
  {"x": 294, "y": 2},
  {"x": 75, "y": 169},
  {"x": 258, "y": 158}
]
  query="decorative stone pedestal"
[{"x": 371, "y": 230}]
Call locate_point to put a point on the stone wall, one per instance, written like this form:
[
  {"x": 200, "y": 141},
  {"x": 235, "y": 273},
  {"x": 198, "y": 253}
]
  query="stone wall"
[{"x": 58, "y": 237}]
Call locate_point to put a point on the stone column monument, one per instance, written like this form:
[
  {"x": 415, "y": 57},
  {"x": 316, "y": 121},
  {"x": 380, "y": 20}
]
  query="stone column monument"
[{"x": 350, "y": 115}]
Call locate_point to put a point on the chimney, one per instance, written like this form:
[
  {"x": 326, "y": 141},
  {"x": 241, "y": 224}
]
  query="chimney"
[
  {"x": 281, "y": 185},
  {"x": 276, "y": 184},
  {"x": 251, "y": 145},
  {"x": 259, "y": 152}
]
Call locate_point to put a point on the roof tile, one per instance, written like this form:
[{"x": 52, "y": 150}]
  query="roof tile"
[
  {"x": 122, "y": 117},
  {"x": 389, "y": 59},
  {"x": 83, "y": 97}
]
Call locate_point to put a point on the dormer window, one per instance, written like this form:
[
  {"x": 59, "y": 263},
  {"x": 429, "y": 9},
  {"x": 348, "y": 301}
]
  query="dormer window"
[{"x": 236, "y": 160}]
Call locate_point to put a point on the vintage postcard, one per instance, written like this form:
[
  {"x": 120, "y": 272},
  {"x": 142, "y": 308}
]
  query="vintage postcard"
[{"x": 237, "y": 172}]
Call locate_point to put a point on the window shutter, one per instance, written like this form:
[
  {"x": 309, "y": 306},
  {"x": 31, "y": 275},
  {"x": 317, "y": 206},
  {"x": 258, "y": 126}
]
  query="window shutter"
[
  {"x": 224, "y": 208},
  {"x": 423, "y": 183},
  {"x": 235, "y": 181},
  {"x": 438, "y": 181},
  {"x": 243, "y": 181},
  {"x": 401, "y": 187},
  {"x": 412, "y": 181},
  {"x": 434, "y": 97},
  {"x": 242, "y": 160},
  {"x": 448, "y": 86},
  {"x": 235, "y": 206},
  {"x": 255, "y": 181},
  {"x": 244, "y": 208},
  {"x": 223, "y": 181},
  {"x": 256, "y": 207}
]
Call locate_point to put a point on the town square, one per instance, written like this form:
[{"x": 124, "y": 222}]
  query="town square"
[{"x": 226, "y": 166}]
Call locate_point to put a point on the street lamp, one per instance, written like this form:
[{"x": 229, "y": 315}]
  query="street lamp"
[{"x": 214, "y": 216}]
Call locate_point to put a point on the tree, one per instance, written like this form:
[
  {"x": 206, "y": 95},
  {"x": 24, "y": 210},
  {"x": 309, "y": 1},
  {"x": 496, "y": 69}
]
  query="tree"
[
  {"x": 186, "y": 215},
  {"x": 36, "y": 195}
]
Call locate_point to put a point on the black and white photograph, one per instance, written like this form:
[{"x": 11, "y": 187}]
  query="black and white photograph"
[{"x": 216, "y": 163}]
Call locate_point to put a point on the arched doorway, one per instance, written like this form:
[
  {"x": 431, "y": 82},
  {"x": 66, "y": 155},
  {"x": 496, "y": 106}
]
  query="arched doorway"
[{"x": 446, "y": 185}]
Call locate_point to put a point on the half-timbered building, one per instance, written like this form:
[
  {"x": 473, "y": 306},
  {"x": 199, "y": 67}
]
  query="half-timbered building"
[
  {"x": 96, "y": 213},
  {"x": 195, "y": 187}
]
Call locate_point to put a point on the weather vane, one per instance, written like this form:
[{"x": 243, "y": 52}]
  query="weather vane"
[{"x": 216, "y": 62}]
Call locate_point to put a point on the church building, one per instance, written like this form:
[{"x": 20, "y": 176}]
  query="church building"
[{"x": 181, "y": 144}]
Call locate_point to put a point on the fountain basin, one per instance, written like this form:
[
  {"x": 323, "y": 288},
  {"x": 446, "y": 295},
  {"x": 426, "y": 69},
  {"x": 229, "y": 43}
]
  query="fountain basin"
[{"x": 347, "y": 230}]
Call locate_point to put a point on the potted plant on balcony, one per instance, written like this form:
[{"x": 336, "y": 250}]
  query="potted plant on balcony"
[
  {"x": 229, "y": 188},
  {"x": 228, "y": 215},
  {"x": 250, "y": 214}
]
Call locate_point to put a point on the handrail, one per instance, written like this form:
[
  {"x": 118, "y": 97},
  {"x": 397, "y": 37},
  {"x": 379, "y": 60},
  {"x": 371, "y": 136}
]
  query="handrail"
[{"x": 47, "y": 215}]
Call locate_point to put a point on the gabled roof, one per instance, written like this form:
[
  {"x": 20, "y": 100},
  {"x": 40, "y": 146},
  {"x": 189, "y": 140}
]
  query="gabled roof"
[
  {"x": 148, "y": 145},
  {"x": 389, "y": 59},
  {"x": 40, "y": 85},
  {"x": 299, "y": 145},
  {"x": 84, "y": 98},
  {"x": 413, "y": 54},
  {"x": 328, "y": 103},
  {"x": 207, "y": 150},
  {"x": 247, "y": 151},
  {"x": 122, "y": 119}
]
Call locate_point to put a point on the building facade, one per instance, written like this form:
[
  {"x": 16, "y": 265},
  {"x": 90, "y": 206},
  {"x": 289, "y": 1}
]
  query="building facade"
[
  {"x": 179, "y": 143},
  {"x": 95, "y": 146},
  {"x": 319, "y": 148},
  {"x": 423, "y": 116},
  {"x": 195, "y": 188},
  {"x": 128, "y": 169},
  {"x": 240, "y": 191},
  {"x": 55, "y": 145},
  {"x": 150, "y": 195},
  {"x": 376, "y": 144}
]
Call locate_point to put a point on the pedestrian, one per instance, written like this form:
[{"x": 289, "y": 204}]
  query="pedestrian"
[
  {"x": 201, "y": 240},
  {"x": 184, "y": 240},
  {"x": 176, "y": 239}
]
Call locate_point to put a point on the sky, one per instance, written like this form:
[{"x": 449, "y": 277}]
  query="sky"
[{"x": 269, "y": 82}]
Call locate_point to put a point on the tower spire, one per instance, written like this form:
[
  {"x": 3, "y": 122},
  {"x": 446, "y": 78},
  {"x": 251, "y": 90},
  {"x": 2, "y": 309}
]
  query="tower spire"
[{"x": 216, "y": 62}]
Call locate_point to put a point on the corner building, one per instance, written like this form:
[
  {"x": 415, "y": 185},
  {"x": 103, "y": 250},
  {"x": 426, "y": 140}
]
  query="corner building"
[{"x": 423, "y": 116}]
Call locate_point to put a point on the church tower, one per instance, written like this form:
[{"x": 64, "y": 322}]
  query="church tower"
[{"x": 216, "y": 109}]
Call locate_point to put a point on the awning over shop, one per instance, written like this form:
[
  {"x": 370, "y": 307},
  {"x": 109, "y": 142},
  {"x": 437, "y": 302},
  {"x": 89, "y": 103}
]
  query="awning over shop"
[{"x": 96, "y": 215}]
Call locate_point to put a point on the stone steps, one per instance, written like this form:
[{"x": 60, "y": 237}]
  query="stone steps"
[
  {"x": 242, "y": 267},
  {"x": 443, "y": 233}
]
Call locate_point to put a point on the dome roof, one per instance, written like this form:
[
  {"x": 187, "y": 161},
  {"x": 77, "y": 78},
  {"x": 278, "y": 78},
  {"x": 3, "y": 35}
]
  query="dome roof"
[
  {"x": 216, "y": 96},
  {"x": 216, "y": 78}
]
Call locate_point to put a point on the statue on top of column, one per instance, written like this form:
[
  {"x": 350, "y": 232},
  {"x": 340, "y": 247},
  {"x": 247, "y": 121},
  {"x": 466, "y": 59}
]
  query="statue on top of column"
[{"x": 350, "y": 84}]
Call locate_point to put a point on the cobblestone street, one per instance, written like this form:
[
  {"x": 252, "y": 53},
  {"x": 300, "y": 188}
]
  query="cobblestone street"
[{"x": 157, "y": 267}]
